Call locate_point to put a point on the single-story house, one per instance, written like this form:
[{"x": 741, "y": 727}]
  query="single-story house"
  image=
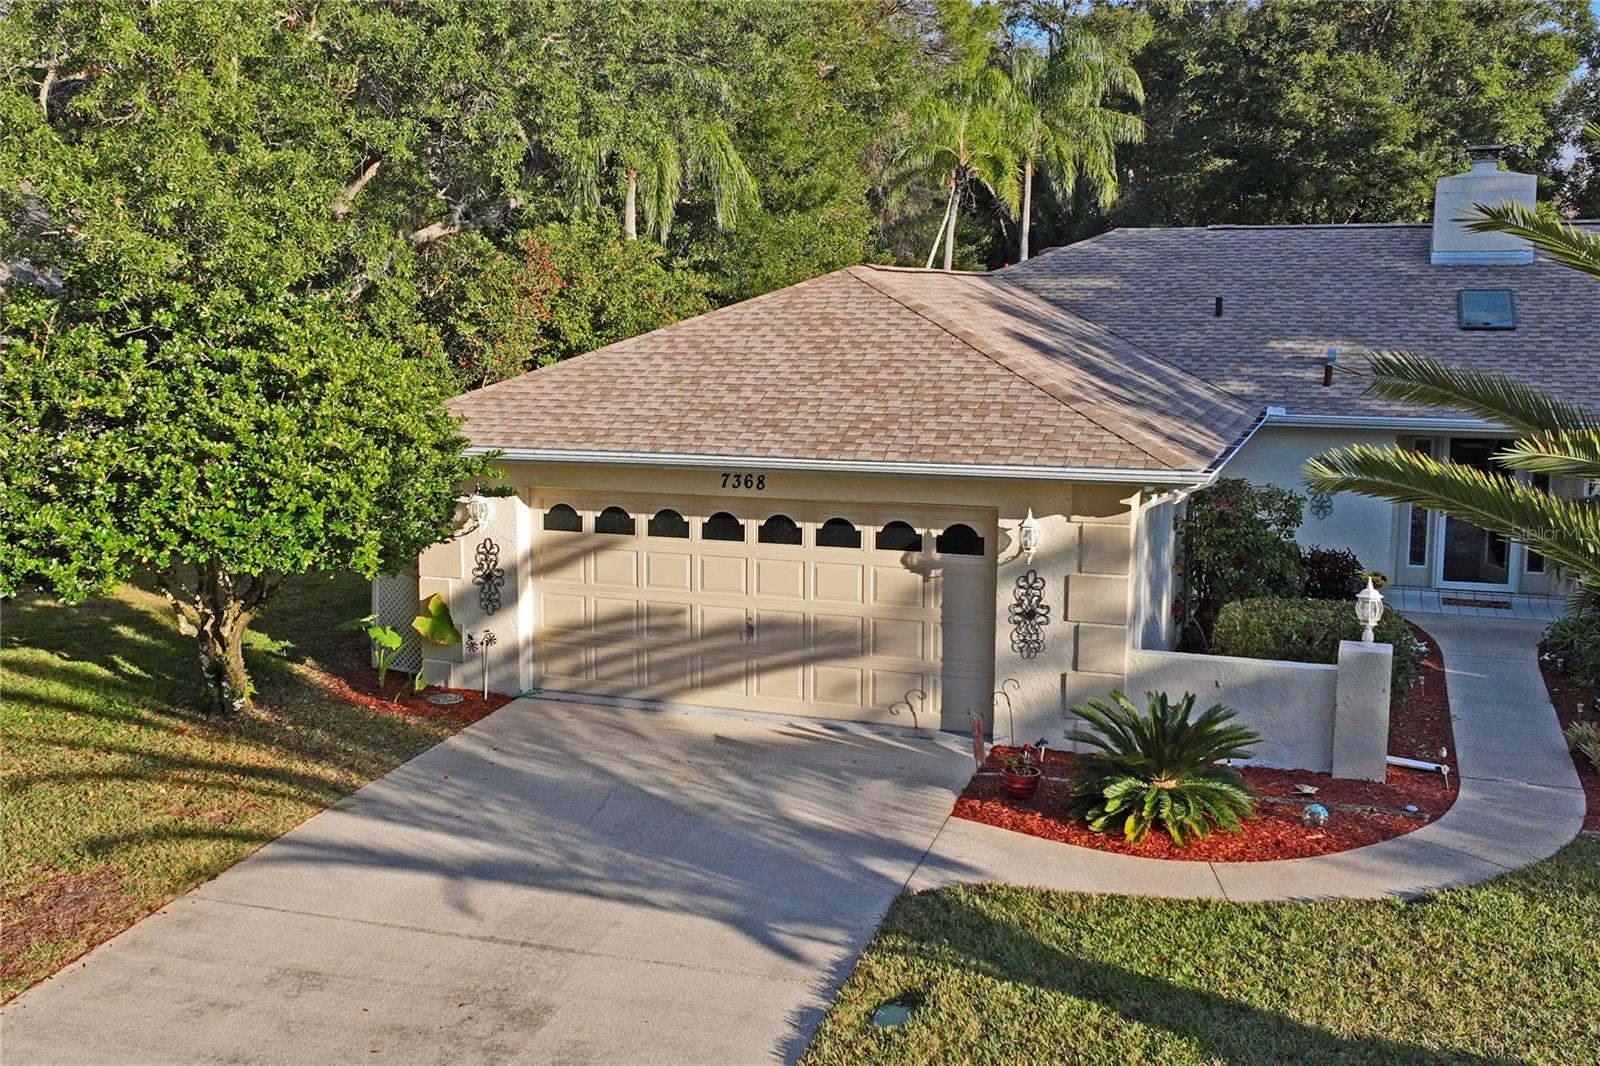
[{"x": 885, "y": 493}]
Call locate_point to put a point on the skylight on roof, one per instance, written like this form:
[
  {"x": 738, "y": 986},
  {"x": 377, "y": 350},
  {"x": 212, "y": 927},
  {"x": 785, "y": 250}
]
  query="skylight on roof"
[{"x": 1487, "y": 309}]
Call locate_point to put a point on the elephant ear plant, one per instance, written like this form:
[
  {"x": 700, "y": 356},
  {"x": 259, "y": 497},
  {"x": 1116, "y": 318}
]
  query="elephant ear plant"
[
  {"x": 1160, "y": 765},
  {"x": 386, "y": 643}
]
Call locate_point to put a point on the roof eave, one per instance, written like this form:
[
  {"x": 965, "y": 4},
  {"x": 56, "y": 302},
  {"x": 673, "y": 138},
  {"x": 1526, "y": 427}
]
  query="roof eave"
[
  {"x": 1404, "y": 423},
  {"x": 668, "y": 460}
]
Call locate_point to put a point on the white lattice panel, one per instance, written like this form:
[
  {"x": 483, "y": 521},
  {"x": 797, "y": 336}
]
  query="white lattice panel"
[{"x": 394, "y": 601}]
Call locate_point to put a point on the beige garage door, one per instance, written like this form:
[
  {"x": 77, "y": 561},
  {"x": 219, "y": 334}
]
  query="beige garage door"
[{"x": 880, "y": 615}]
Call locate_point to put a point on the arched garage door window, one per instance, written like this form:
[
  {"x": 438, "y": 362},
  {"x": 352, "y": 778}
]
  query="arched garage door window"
[
  {"x": 614, "y": 520},
  {"x": 779, "y": 529},
  {"x": 899, "y": 537},
  {"x": 564, "y": 519},
  {"x": 959, "y": 540},
  {"x": 668, "y": 523},
  {"x": 722, "y": 526},
  {"x": 838, "y": 533}
]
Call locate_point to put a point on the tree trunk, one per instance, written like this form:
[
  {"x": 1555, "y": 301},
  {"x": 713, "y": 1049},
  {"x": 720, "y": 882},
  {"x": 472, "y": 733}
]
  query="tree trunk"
[
  {"x": 222, "y": 657},
  {"x": 630, "y": 206},
  {"x": 938, "y": 237},
  {"x": 216, "y": 606},
  {"x": 950, "y": 222},
  {"x": 1027, "y": 209}
]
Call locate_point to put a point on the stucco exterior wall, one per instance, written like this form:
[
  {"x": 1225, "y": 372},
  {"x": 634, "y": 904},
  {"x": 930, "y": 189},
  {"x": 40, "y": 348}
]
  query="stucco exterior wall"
[
  {"x": 1156, "y": 581},
  {"x": 449, "y": 568},
  {"x": 1085, "y": 557},
  {"x": 1310, "y": 716},
  {"x": 1368, "y": 527},
  {"x": 1291, "y": 705}
]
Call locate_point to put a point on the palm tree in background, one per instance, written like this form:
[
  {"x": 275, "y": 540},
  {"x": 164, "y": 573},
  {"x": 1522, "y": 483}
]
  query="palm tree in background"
[
  {"x": 957, "y": 137},
  {"x": 674, "y": 137},
  {"x": 1060, "y": 123}
]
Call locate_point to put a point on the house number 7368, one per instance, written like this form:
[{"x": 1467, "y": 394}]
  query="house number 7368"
[{"x": 756, "y": 482}]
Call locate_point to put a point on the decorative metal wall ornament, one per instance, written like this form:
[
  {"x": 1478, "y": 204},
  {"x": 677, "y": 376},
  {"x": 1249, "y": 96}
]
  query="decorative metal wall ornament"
[
  {"x": 479, "y": 645},
  {"x": 488, "y": 576},
  {"x": 1322, "y": 504},
  {"x": 1029, "y": 615}
]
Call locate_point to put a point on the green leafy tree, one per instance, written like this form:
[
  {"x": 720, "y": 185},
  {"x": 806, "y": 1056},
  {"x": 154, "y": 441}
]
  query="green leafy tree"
[
  {"x": 1060, "y": 121},
  {"x": 659, "y": 108},
  {"x": 219, "y": 446},
  {"x": 1330, "y": 111},
  {"x": 1237, "y": 541},
  {"x": 959, "y": 137}
]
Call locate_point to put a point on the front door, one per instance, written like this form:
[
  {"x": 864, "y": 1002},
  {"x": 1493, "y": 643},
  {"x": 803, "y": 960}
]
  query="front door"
[{"x": 1470, "y": 557}]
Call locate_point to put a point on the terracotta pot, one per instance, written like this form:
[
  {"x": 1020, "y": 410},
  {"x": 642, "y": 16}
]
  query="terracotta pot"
[{"x": 1020, "y": 782}]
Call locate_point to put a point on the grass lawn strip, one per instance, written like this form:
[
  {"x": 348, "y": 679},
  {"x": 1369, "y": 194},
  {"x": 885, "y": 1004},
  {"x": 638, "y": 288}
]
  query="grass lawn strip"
[
  {"x": 120, "y": 795},
  {"x": 1504, "y": 971}
]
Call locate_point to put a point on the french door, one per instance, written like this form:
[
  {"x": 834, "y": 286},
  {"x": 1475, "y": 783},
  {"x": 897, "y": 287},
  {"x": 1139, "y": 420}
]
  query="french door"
[{"x": 1468, "y": 556}]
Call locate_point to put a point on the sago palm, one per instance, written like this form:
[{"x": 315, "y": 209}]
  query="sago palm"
[
  {"x": 1161, "y": 765},
  {"x": 1059, "y": 121}
]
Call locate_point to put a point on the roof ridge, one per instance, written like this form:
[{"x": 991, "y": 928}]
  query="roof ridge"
[
  {"x": 1148, "y": 353},
  {"x": 1154, "y": 357},
  {"x": 701, "y": 317},
  {"x": 1156, "y": 450}
]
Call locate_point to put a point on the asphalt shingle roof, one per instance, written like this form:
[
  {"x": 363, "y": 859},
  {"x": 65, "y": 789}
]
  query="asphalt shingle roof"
[
  {"x": 1291, "y": 292},
  {"x": 874, "y": 364}
]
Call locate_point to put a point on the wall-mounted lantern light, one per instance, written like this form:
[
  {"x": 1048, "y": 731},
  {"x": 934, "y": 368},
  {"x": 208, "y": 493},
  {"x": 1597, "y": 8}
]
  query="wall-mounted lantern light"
[
  {"x": 1028, "y": 535},
  {"x": 478, "y": 508},
  {"x": 1369, "y": 610}
]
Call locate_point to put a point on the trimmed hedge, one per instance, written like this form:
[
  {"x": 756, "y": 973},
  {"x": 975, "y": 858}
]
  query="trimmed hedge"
[{"x": 1309, "y": 631}]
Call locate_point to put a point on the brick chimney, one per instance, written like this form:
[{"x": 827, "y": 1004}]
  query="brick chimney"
[{"x": 1485, "y": 184}]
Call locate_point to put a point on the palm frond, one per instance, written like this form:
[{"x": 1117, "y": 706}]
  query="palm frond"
[
  {"x": 1565, "y": 531},
  {"x": 1566, "y": 244},
  {"x": 1410, "y": 377},
  {"x": 1573, "y": 453}
]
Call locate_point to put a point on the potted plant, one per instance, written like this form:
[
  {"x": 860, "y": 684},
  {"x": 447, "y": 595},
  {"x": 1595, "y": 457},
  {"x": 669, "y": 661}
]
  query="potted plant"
[{"x": 1020, "y": 776}]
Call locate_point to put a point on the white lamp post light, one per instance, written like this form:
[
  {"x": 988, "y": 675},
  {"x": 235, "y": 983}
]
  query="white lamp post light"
[
  {"x": 1028, "y": 535},
  {"x": 1369, "y": 610}
]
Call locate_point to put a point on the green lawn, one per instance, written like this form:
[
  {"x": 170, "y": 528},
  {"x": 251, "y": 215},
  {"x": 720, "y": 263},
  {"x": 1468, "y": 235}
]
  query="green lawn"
[
  {"x": 120, "y": 794},
  {"x": 1507, "y": 971}
]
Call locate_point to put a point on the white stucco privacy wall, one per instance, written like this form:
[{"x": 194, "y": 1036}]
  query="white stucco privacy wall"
[
  {"x": 1310, "y": 716},
  {"x": 1290, "y": 705}
]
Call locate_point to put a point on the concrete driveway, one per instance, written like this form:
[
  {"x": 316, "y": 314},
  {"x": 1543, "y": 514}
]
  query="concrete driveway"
[{"x": 558, "y": 883}]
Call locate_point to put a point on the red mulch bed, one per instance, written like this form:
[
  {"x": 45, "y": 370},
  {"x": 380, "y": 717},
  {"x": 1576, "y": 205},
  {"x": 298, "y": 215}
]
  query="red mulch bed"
[
  {"x": 1419, "y": 730},
  {"x": 360, "y": 686},
  {"x": 1566, "y": 694}
]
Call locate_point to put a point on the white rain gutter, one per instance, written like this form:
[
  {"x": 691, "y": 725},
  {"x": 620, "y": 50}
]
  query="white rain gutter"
[
  {"x": 1277, "y": 416},
  {"x": 671, "y": 460}
]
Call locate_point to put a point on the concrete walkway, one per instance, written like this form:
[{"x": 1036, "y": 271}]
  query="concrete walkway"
[{"x": 1520, "y": 801}]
